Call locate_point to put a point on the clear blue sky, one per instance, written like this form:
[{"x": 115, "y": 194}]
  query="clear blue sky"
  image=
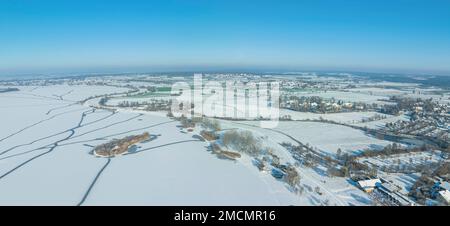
[{"x": 90, "y": 35}]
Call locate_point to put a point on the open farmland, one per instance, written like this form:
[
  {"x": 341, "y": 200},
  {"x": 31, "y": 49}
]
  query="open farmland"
[{"x": 90, "y": 140}]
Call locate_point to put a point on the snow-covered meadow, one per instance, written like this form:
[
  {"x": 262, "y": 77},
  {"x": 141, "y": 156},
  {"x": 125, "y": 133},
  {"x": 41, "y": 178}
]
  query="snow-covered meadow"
[
  {"x": 47, "y": 136},
  {"x": 328, "y": 138},
  {"x": 45, "y": 142}
]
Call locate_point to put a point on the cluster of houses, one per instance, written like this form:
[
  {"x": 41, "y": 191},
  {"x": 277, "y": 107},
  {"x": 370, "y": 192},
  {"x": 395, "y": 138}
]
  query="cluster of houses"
[
  {"x": 310, "y": 81},
  {"x": 426, "y": 127},
  {"x": 393, "y": 194},
  {"x": 427, "y": 117},
  {"x": 318, "y": 104}
]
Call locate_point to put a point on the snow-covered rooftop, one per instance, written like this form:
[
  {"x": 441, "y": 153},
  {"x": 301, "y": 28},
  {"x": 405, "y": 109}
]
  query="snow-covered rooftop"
[
  {"x": 445, "y": 194},
  {"x": 367, "y": 184}
]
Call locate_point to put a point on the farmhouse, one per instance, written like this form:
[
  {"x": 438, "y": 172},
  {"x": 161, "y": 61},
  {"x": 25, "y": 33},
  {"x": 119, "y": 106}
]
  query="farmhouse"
[{"x": 368, "y": 185}]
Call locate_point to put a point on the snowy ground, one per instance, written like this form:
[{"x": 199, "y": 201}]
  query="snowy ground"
[
  {"x": 45, "y": 144},
  {"x": 46, "y": 138},
  {"x": 378, "y": 124},
  {"x": 348, "y": 96},
  {"x": 328, "y": 138},
  {"x": 337, "y": 191},
  {"x": 345, "y": 117},
  {"x": 436, "y": 94}
]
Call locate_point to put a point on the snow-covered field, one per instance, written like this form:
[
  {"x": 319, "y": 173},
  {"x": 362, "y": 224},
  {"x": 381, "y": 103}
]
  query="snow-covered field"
[
  {"x": 45, "y": 144},
  {"x": 377, "y": 91},
  {"x": 348, "y": 96},
  {"x": 345, "y": 117},
  {"x": 410, "y": 92},
  {"x": 46, "y": 139},
  {"x": 377, "y": 124},
  {"x": 337, "y": 191},
  {"x": 328, "y": 138}
]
